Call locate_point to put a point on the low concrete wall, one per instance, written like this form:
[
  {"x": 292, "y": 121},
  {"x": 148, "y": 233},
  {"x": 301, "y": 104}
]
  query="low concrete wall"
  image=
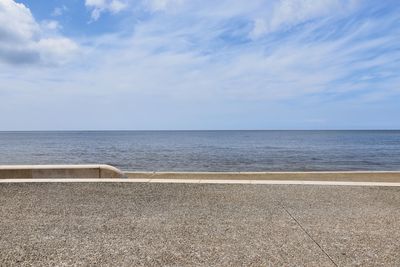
[
  {"x": 351, "y": 176},
  {"x": 106, "y": 171},
  {"x": 59, "y": 171}
]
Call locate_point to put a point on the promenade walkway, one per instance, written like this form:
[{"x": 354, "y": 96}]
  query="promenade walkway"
[{"x": 194, "y": 224}]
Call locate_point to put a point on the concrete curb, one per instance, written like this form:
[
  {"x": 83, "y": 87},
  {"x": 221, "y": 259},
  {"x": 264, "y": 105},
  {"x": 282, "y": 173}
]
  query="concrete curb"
[
  {"x": 107, "y": 171},
  {"x": 349, "y": 176},
  {"x": 59, "y": 171},
  {"x": 191, "y": 181}
]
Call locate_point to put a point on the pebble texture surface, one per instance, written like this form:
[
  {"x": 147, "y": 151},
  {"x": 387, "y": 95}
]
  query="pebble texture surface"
[{"x": 198, "y": 225}]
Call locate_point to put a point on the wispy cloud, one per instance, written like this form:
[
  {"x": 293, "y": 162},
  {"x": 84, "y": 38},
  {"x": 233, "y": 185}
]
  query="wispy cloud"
[
  {"x": 285, "y": 14},
  {"x": 203, "y": 56}
]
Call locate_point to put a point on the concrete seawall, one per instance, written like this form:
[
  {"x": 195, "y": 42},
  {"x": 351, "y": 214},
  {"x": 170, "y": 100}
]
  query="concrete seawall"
[
  {"x": 346, "y": 176},
  {"x": 59, "y": 171}
]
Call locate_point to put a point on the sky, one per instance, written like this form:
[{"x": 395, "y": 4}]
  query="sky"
[{"x": 199, "y": 64}]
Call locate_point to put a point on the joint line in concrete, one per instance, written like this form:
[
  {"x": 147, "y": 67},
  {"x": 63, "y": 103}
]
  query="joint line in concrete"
[{"x": 308, "y": 234}]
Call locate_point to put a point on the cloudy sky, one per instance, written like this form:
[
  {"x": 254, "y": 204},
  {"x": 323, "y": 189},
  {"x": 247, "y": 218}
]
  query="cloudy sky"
[{"x": 199, "y": 64}]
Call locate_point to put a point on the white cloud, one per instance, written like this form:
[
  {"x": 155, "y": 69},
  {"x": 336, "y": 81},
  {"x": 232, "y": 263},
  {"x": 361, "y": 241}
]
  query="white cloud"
[
  {"x": 17, "y": 22},
  {"x": 23, "y": 40},
  {"x": 58, "y": 49},
  {"x": 162, "y": 5},
  {"x": 58, "y": 11},
  {"x": 117, "y": 6},
  {"x": 51, "y": 25},
  {"x": 100, "y": 6}
]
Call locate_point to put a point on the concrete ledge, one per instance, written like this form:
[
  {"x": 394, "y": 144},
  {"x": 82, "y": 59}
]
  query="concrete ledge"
[
  {"x": 191, "y": 181},
  {"x": 350, "y": 176},
  {"x": 59, "y": 171},
  {"x": 106, "y": 171}
]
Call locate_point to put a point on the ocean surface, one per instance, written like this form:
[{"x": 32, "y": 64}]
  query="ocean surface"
[{"x": 207, "y": 150}]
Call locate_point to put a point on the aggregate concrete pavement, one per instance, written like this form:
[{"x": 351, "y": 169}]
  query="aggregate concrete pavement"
[{"x": 151, "y": 224}]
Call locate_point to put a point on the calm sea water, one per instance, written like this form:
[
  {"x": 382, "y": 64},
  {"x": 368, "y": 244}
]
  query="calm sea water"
[{"x": 208, "y": 150}]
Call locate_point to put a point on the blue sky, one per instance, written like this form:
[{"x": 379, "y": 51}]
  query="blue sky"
[{"x": 180, "y": 64}]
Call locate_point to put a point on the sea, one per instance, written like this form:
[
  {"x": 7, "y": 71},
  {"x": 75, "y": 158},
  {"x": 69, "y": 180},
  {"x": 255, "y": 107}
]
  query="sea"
[{"x": 207, "y": 150}]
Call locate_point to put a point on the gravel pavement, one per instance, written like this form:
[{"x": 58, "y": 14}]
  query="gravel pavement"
[{"x": 144, "y": 224}]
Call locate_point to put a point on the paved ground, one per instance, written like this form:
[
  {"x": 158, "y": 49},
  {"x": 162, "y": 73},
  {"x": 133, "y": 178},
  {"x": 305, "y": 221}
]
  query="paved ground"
[{"x": 198, "y": 224}]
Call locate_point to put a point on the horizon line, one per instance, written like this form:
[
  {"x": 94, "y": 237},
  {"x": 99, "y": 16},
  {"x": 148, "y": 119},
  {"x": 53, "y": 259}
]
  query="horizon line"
[{"x": 190, "y": 130}]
